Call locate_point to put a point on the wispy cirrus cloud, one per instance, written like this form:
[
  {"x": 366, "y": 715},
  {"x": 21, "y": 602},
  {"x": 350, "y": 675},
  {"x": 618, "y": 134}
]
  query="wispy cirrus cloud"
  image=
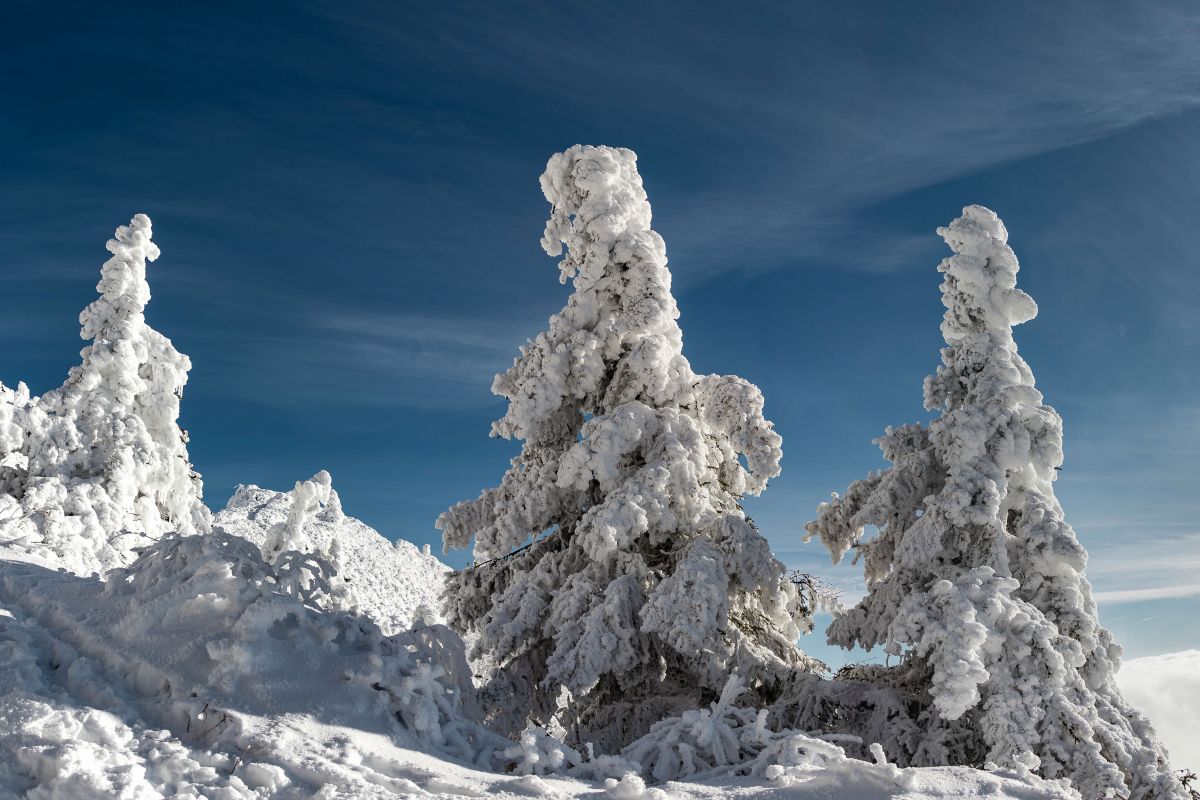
[
  {"x": 784, "y": 147},
  {"x": 459, "y": 349},
  {"x": 392, "y": 360},
  {"x": 1117, "y": 596}
]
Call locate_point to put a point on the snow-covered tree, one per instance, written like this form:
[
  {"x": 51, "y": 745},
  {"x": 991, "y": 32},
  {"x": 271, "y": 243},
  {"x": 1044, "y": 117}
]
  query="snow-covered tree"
[
  {"x": 614, "y": 560},
  {"x": 313, "y": 497},
  {"x": 99, "y": 466},
  {"x": 974, "y": 576}
]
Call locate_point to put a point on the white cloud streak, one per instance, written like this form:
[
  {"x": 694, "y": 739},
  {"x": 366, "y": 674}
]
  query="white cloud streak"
[{"x": 1118, "y": 596}]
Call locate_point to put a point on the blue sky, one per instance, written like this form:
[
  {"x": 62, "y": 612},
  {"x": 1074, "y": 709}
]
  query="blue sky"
[{"x": 346, "y": 198}]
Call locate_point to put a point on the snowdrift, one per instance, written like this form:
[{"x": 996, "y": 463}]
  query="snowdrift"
[{"x": 389, "y": 582}]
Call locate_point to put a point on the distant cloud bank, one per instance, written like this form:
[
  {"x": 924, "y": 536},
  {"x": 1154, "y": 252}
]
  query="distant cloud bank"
[{"x": 1166, "y": 688}]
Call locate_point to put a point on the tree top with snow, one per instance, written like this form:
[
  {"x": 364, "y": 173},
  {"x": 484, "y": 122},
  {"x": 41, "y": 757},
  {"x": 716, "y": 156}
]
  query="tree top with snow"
[
  {"x": 99, "y": 466},
  {"x": 975, "y": 578},
  {"x": 616, "y": 540}
]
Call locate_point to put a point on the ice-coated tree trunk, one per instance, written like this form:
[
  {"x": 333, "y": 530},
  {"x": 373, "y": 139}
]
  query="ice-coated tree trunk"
[
  {"x": 614, "y": 560},
  {"x": 975, "y": 577},
  {"x": 99, "y": 466}
]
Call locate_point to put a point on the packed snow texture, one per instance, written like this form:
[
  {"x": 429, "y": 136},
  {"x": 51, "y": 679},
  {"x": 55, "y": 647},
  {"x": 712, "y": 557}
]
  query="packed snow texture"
[
  {"x": 975, "y": 578},
  {"x": 642, "y": 565},
  {"x": 98, "y": 467},
  {"x": 206, "y": 657}
]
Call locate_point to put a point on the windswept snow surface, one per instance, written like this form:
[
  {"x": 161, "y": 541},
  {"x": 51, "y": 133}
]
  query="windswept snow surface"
[{"x": 92, "y": 707}]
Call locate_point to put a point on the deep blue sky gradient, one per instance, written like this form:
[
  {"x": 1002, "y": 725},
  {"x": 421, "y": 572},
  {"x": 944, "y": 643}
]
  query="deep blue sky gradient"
[{"x": 346, "y": 198}]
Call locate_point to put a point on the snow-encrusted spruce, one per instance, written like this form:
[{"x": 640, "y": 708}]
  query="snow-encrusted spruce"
[
  {"x": 645, "y": 583},
  {"x": 975, "y": 576},
  {"x": 99, "y": 466}
]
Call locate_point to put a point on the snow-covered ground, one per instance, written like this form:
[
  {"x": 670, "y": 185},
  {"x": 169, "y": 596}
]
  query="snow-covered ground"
[{"x": 181, "y": 678}]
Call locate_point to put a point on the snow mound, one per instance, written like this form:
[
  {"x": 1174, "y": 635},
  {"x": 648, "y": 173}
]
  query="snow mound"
[
  {"x": 200, "y": 656},
  {"x": 392, "y": 583}
]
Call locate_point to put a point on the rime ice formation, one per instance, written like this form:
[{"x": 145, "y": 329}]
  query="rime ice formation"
[
  {"x": 99, "y": 466},
  {"x": 975, "y": 576},
  {"x": 645, "y": 581}
]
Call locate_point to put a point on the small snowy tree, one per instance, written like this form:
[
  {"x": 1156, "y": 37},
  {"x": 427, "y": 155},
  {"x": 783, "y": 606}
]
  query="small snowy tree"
[
  {"x": 315, "y": 496},
  {"x": 614, "y": 560},
  {"x": 99, "y": 466},
  {"x": 975, "y": 576}
]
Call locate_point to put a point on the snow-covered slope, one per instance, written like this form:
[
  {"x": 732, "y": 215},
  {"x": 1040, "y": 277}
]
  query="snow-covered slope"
[
  {"x": 205, "y": 670},
  {"x": 108, "y": 694},
  {"x": 388, "y": 581}
]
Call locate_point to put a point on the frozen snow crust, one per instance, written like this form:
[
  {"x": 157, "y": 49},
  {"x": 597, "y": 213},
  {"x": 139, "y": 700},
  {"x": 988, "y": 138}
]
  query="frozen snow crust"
[{"x": 290, "y": 651}]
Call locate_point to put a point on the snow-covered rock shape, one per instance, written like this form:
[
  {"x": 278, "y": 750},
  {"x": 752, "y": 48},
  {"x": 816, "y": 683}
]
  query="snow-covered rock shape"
[
  {"x": 99, "y": 466},
  {"x": 394, "y": 583},
  {"x": 975, "y": 576},
  {"x": 642, "y": 562}
]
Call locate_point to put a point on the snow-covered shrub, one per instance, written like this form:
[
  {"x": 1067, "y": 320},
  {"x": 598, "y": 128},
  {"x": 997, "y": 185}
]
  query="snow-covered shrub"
[
  {"x": 99, "y": 466},
  {"x": 541, "y": 751},
  {"x": 975, "y": 579},
  {"x": 631, "y": 786},
  {"x": 394, "y": 583},
  {"x": 311, "y": 498},
  {"x": 726, "y": 739},
  {"x": 536, "y": 752},
  {"x": 614, "y": 559},
  {"x": 259, "y": 622}
]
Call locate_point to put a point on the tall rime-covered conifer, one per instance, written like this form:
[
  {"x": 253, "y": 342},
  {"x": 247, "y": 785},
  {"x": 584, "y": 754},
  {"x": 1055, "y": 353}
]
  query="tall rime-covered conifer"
[
  {"x": 645, "y": 580},
  {"x": 975, "y": 576},
  {"x": 99, "y": 466}
]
